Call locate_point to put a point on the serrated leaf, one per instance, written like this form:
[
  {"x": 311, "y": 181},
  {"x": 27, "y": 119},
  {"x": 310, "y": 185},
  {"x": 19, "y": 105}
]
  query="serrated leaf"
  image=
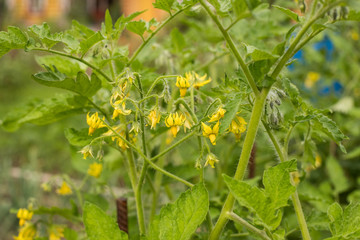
[
  {"x": 44, "y": 34},
  {"x": 239, "y": 7},
  {"x": 45, "y": 111},
  {"x": 86, "y": 44},
  {"x": 178, "y": 221},
  {"x": 164, "y": 4},
  {"x": 291, "y": 90},
  {"x": 259, "y": 69},
  {"x": 279, "y": 49},
  {"x": 258, "y": 54},
  {"x": 337, "y": 176},
  {"x": 98, "y": 225},
  {"x": 81, "y": 85},
  {"x": 137, "y": 27},
  {"x": 82, "y": 29},
  {"x": 329, "y": 127},
  {"x": 65, "y": 65},
  {"x": 266, "y": 203},
  {"x": 232, "y": 104},
  {"x": 13, "y": 39},
  {"x": 288, "y": 12},
  {"x": 277, "y": 183},
  {"x": 345, "y": 224}
]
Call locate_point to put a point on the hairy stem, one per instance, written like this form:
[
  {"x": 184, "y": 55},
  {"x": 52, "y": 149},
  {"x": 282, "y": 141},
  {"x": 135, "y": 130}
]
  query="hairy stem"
[{"x": 260, "y": 233}]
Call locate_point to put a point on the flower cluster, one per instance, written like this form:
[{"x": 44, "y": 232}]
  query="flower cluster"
[
  {"x": 95, "y": 169},
  {"x": 238, "y": 126},
  {"x": 24, "y": 215},
  {"x": 191, "y": 79},
  {"x": 64, "y": 189},
  {"x": 94, "y": 122},
  {"x": 174, "y": 121}
]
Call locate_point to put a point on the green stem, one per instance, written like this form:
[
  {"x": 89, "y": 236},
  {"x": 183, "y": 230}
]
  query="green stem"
[
  {"x": 243, "y": 161},
  {"x": 260, "y": 233},
  {"x": 188, "y": 108},
  {"x": 147, "y": 40},
  {"x": 274, "y": 141},
  {"x": 157, "y": 80},
  {"x": 233, "y": 48},
  {"x": 76, "y": 58}
]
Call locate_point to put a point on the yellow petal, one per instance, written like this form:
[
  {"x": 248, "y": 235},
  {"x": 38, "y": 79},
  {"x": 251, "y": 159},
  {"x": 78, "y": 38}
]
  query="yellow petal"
[
  {"x": 212, "y": 138},
  {"x": 174, "y": 130},
  {"x": 206, "y": 129}
]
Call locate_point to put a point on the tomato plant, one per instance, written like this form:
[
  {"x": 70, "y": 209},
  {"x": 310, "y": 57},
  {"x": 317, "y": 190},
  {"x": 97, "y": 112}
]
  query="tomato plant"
[{"x": 183, "y": 115}]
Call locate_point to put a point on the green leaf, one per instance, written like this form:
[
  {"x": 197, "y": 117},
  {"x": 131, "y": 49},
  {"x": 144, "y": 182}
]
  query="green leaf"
[
  {"x": 329, "y": 127},
  {"x": 232, "y": 104},
  {"x": 13, "y": 39},
  {"x": 239, "y": 7},
  {"x": 266, "y": 203},
  {"x": 345, "y": 224},
  {"x": 137, "y": 27},
  {"x": 258, "y": 54},
  {"x": 67, "y": 66},
  {"x": 45, "y": 111},
  {"x": 44, "y": 34},
  {"x": 84, "y": 31},
  {"x": 221, "y": 6},
  {"x": 353, "y": 16},
  {"x": 337, "y": 175},
  {"x": 81, "y": 137},
  {"x": 288, "y": 12},
  {"x": 98, "y": 225},
  {"x": 81, "y": 85},
  {"x": 279, "y": 49},
  {"x": 291, "y": 90},
  {"x": 165, "y": 5},
  {"x": 108, "y": 22},
  {"x": 179, "y": 220},
  {"x": 277, "y": 183},
  {"x": 86, "y": 44}
]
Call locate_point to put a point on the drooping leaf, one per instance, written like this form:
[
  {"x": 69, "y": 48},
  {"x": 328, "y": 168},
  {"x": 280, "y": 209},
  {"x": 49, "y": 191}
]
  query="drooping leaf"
[
  {"x": 337, "y": 176},
  {"x": 329, "y": 127},
  {"x": 44, "y": 34},
  {"x": 179, "y": 220},
  {"x": 81, "y": 85},
  {"x": 232, "y": 104},
  {"x": 14, "y": 38},
  {"x": 41, "y": 112},
  {"x": 345, "y": 224},
  {"x": 65, "y": 65},
  {"x": 86, "y": 44},
  {"x": 288, "y": 12},
  {"x": 98, "y": 225},
  {"x": 137, "y": 27}
]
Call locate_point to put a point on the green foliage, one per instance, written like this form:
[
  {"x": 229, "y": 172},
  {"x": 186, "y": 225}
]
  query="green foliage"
[
  {"x": 267, "y": 202},
  {"x": 232, "y": 104},
  {"x": 14, "y": 38},
  {"x": 288, "y": 12},
  {"x": 165, "y": 5},
  {"x": 337, "y": 176},
  {"x": 344, "y": 224},
  {"x": 98, "y": 225},
  {"x": 179, "y": 220},
  {"x": 86, "y": 44},
  {"x": 137, "y": 27},
  {"x": 81, "y": 85},
  {"x": 44, "y": 111}
]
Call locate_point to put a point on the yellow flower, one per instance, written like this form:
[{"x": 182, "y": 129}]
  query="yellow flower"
[
  {"x": 56, "y": 232},
  {"x": 120, "y": 130},
  {"x": 200, "y": 81},
  {"x": 318, "y": 161},
  {"x": 183, "y": 84},
  {"x": 311, "y": 79},
  {"x": 86, "y": 151},
  {"x": 211, "y": 160},
  {"x": 238, "y": 126},
  {"x": 27, "y": 232},
  {"x": 94, "y": 122},
  {"x": 211, "y": 133},
  {"x": 174, "y": 121},
  {"x": 296, "y": 177},
  {"x": 95, "y": 170},
  {"x": 119, "y": 109},
  {"x": 154, "y": 118},
  {"x": 24, "y": 215},
  {"x": 218, "y": 115},
  {"x": 355, "y": 35},
  {"x": 64, "y": 189}
]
